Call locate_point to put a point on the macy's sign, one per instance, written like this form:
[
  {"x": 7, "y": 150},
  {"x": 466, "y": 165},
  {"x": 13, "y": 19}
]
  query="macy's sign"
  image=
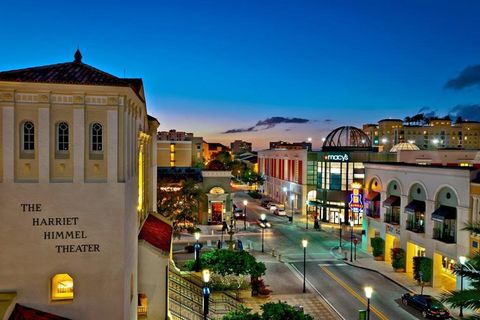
[{"x": 336, "y": 157}]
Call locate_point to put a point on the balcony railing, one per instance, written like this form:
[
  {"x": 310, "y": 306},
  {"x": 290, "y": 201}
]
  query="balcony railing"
[
  {"x": 416, "y": 226},
  {"x": 375, "y": 213},
  {"x": 392, "y": 218},
  {"x": 439, "y": 234}
]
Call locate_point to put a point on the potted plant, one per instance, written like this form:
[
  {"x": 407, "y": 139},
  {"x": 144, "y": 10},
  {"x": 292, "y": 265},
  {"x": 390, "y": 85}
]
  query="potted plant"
[
  {"x": 378, "y": 247},
  {"x": 398, "y": 259}
]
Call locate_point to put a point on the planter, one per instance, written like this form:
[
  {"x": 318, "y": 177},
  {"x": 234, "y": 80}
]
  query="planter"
[
  {"x": 399, "y": 270},
  {"x": 263, "y": 296},
  {"x": 244, "y": 294},
  {"x": 379, "y": 258}
]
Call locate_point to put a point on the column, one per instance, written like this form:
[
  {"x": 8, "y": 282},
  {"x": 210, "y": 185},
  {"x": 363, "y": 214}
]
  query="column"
[
  {"x": 44, "y": 145},
  {"x": 79, "y": 145},
  {"x": 8, "y": 142},
  {"x": 112, "y": 136}
]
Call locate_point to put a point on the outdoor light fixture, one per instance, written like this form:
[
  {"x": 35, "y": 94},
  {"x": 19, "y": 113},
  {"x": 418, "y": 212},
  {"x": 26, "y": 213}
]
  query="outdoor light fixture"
[
  {"x": 411, "y": 141},
  {"x": 263, "y": 225},
  {"x": 306, "y": 213},
  {"x": 196, "y": 248},
  {"x": 206, "y": 292},
  {"x": 368, "y": 294},
  {"x": 384, "y": 140},
  {"x": 245, "y": 202},
  {"x": 309, "y": 139},
  {"x": 351, "y": 240},
  {"x": 435, "y": 141},
  {"x": 292, "y": 197},
  {"x": 462, "y": 260},
  {"x": 304, "y": 244}
]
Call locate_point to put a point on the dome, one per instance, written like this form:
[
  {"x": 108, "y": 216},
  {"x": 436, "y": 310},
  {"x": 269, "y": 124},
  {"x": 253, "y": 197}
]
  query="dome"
[
  {"x": 347, "y": 138},
  {"x": 404, "y": 146}
]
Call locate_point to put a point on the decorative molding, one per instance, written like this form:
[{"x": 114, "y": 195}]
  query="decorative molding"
[
  {"x": 62, "y": 99},
  {"x": 217, "y": 173},
  {"x": 96, "y": 100},
  {"x": 6, "y": 96},
  {"x": 26, "y": 97}
]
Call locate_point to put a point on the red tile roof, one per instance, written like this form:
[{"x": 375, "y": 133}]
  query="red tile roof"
[
  {"x": 157, "y": 233},
  {"x": 75, "y": 72},
  {"x": 24, "y": 313}
]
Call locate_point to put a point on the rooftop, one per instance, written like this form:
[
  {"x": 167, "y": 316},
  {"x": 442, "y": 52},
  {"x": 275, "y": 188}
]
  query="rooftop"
[
  {"x": 157, "y": 232},
  {"x": 25, "y": 313}
]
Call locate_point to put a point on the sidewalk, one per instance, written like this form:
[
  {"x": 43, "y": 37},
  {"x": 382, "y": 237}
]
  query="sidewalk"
[{"x": 287, "y": 287}]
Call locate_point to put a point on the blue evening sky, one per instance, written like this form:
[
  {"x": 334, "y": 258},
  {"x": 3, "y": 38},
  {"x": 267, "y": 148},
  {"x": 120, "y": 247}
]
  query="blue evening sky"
[{"x": 212, "y": 66}]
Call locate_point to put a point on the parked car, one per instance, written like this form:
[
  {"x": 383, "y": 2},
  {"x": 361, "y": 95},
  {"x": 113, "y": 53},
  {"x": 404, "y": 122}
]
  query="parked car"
[
  {"x": 265, "y": 203},
  {"x": 239, "y": 215},
  {"x": 428, "y": 305},
  {"x": 280, "y": 212}
]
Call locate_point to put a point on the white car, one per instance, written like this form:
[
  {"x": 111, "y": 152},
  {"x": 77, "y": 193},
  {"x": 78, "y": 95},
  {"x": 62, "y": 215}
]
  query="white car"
[{"x": 280, "y": 212}]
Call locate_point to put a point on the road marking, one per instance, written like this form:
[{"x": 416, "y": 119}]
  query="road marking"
[
  {"x": 355, "y": 294},
  {"x": 332, "y": 264},
  {"x": 300, "y": 276}
]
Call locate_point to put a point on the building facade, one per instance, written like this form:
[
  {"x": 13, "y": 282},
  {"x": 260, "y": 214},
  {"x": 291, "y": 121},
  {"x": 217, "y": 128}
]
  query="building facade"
[
  {"x": 240, "y": 146},
  {"x": 178, "y": 149},
  {"x": 77, "y": 180},
  {"x": 439, "y": 133},
  {"x": 421, "y": 209}
]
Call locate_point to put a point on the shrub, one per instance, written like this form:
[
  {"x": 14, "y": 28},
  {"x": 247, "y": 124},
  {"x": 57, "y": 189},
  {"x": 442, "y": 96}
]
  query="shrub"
[
  {"x": 424, "y": 265},
  {"x": 378, "y": 246},
  {"x": 398, "y": 258}
]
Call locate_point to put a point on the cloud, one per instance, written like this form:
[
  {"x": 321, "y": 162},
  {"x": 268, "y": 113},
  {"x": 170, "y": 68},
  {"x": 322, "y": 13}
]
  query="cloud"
[
  {"x": 328, "y": 120},
  {"x": 468, "y": 77},
  {"x": 466, "y": 111},
  {"x": 428, "y": 112},
  {"x": 273, "y": 121},
  {"x": 240, "y": 130},
  {"x": 267, "y": 124}
]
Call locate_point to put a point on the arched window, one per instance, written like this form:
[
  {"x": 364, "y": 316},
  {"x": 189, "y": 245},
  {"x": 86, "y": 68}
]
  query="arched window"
[
  {"x": 62, "y": 287},
  {"x": 62, "y": 136},
  {"x": 28, "y": 136},
  {"x": 96, "y": 137}
]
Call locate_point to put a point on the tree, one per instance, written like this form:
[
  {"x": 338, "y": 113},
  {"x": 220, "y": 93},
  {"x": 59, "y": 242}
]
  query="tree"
[
  {"x": 271, "y": 311},
  {"x": 224, "y": 157},
  {"x": 180, "y": 206},
  {"x": 468, "y": 298},
  {"x": 407, "y": 120}
]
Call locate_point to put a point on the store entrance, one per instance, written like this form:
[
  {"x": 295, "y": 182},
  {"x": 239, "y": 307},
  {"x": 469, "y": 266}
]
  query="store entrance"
[{"x": 217, "y": 210}]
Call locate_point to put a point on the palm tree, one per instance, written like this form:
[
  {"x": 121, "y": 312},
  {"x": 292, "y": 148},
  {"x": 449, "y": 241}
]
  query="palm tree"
[{"x": 468, "y": 298}]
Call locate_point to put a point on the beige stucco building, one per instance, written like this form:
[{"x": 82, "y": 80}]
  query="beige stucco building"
[{"x": 77, "y": 181}]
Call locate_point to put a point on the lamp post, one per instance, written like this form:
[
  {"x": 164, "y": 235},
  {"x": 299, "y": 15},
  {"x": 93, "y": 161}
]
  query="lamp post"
[
  {"x": 196, "y": 247},
  {"x": 462, "y": 259},
  {"x": 206, "y": 292},
  {"x": 306, "y": 212},
  {"x": 263, "y": 225},
  {"x": 304, "y": 244},
  {"x": 292, "y": 197},
  {"x": 340, "y": 230},
  {"x": 245, "y": 202},
  {"x": 368, "y": 294},
  {"x": 351, "y": 240}
]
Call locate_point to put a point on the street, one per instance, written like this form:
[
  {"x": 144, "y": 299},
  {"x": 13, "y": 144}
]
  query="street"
[{"x": 341, "y": 284}]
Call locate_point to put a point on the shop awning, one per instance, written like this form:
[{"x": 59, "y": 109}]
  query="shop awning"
[
  {"x": 415, "y": 206},
  {"x": 392, "y": 201},
  {"x": 23, "y": 313},
  {"x": 373, "y": 196},
  {"x": 444, "y": 213}
]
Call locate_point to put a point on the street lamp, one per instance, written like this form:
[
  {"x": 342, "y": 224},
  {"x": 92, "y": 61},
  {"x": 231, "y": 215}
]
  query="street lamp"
[
  {"x": 351, "y": 240},
  {"x": 263, "y": 225},
  {"x": 292, "y": 197},
  {"x": 304, "y": 244},
  {"x": 306, "y": 210},
  {"x": 340, "y": 230},
  {"x": 196, "y": 247},
  {"x": 245, "y": 202},
  {"x": 368, "y": 294},
  {"x": 206, "y": 292},
  {"x": 462, "y": 259}
]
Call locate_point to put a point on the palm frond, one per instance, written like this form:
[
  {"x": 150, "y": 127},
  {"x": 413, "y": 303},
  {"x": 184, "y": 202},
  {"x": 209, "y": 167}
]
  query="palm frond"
[
  {"x": 473, "y": 227},
  {"x": 469, "y": 299}
]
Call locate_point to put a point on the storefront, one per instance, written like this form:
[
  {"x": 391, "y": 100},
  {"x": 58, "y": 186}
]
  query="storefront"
[
  {"x": 413, "y": 250},
  {"x": 443, "y": 271}
]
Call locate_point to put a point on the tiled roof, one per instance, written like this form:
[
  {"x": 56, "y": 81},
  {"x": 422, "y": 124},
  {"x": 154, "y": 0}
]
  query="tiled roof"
[
  {"x": 157, "y": 233},
  {"x": 24, "y": 313},
  {"x": 75, "y": 72}
]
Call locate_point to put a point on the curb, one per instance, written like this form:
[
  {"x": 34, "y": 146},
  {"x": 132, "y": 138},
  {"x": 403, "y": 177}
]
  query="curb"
[{"x": 380, "y": 273}]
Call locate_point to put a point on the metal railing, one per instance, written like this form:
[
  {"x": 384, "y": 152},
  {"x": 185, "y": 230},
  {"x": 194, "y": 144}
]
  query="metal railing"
[
  {"x": 439, "y": 234},
  {"x": 415, "y": 226},
  {"x": 393, "y": 218},
  {"x": 186, "y": 298},
  {"x": 375, "y": 213}
]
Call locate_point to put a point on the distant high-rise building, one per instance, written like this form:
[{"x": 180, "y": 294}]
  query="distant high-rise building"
[
  {"x": 437, "y": 134},
  {"x": 178, "y": 149},
  {"x": 240, "y": 146},
  {"x": 291, "y": 146}
]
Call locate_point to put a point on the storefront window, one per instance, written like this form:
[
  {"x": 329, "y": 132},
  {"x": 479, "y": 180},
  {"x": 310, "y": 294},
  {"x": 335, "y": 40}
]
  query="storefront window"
[{"x": 448, "y": 266}]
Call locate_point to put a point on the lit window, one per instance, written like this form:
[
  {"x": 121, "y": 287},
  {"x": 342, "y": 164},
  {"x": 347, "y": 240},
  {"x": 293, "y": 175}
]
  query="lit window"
[
  {"x": 62, "y": 136},
  {"x": 28, "y": 143},
  {"x": 96, "y": 137},
  {"x": 62, "y": 287},
  {"x": 142, "y": 308}
]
